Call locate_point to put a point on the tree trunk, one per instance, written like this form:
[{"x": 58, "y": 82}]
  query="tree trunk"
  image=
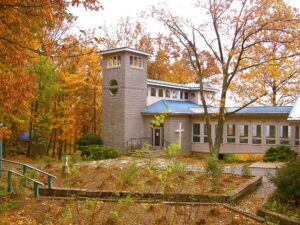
[{"x": 95, "y": 113}]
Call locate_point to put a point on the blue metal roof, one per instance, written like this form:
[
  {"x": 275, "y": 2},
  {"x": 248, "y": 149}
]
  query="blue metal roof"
[
  {"x": 267, "y": 109},
  {"x": 189, "y": 86},
  {"x": 174, "y": 106},
  {"x": 171, "y": 106}
]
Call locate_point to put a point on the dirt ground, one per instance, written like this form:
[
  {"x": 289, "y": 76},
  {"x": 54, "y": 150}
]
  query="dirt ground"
[
  {"x": 132, "y": 178},
  {"x": 46, "y": 211}
]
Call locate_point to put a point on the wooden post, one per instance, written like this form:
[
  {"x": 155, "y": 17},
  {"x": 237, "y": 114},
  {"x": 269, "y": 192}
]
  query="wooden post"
[
  {"x": 9, "y": 182},
  {"x": 25, "y": 175},
  {"x": 36, "y": 190},
  {"x": 49, "y": 182}
]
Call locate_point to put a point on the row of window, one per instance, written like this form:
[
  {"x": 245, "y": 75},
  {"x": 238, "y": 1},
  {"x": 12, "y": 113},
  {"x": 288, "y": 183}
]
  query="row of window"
[
  {"x": 115, "y": 61},
  {"x": 167, "y": 93},
  {"x": 240, "y": 133}
]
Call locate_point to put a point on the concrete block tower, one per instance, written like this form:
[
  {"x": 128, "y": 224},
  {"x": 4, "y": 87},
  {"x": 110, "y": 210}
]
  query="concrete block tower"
[{"x": 124, "y": 95}]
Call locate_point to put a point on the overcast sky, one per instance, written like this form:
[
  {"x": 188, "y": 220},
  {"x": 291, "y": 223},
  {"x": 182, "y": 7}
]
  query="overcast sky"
[{"x": 116, "y": 9}]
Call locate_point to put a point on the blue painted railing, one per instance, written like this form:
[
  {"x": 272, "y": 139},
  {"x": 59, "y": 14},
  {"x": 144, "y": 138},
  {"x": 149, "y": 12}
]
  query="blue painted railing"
[
  {"x": 9, "y": 181},
  {"x": 25, "y": 170}
]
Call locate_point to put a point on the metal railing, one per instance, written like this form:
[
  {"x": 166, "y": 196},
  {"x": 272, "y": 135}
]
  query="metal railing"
[
  {"x": 137, "y": 143},
  {"x": 9, "y": 181},
  {"x": 25, "y": 171}
]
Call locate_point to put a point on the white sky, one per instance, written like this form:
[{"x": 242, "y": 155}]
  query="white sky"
[{"x": 114, "y": 10}]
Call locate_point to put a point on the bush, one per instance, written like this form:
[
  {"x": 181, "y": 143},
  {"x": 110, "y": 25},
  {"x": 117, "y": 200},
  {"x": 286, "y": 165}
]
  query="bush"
[
  {"x": 89, "y": 139},
  {"x": 280, "y": 153},
  {"x": 287, "y": 182},
  {"x": 97, "y": 152},
  {"x": 214, "y": 169}
]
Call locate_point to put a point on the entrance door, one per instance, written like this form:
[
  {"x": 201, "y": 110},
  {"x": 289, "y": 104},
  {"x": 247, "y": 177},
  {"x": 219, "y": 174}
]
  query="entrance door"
[{"x": 157, "y": 137}]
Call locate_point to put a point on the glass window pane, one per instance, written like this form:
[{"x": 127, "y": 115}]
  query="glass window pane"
[
  {"x": 168, "y": 93},
  {"x": 196, "y": 129},
  {"x": 131, "y": 60},
  {"x": 256, "y": 129},
  {"x": 196, "y": 138},
  {"x": 186, "y": 95},
  {"x": 153, "y": 92},
  {"x": 160, "y": 93},
  {"x": 181, "y": 94},
  {"x": 230, "y": 129},
  {"x": 175, "y": 94}
]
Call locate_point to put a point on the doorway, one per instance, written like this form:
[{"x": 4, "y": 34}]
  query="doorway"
[{"x": 157, "y": 138}]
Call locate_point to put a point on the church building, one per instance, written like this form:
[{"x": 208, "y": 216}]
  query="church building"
[{"x": 130, "y": 101}]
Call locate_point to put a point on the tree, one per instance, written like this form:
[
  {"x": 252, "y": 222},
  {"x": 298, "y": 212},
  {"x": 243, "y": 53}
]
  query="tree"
[{"x": 233, "y": 35}]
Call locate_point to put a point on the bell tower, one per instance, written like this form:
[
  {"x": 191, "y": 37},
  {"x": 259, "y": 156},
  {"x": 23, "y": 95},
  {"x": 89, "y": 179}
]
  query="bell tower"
[{"x": 124, "y": 95}]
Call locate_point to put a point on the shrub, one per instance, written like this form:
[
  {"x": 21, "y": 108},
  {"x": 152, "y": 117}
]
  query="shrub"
[
  {"x": 172, "y": 149},
  {"x": 214, "y": 169},
  {"x": 97, "y": 152},
  {"x": 89, "y": 139},
  {"x": 280, "y": 153},
  {"x": 129, "y": 174},
  {"x": 287, "y": 182}
]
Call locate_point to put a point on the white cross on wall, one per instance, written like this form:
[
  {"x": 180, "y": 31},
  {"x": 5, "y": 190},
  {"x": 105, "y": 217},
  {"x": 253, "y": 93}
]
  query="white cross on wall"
[{"x": 179, "y": 131}]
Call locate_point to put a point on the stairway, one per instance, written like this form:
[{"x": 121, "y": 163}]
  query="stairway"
[{"x": 146, "y": 153}]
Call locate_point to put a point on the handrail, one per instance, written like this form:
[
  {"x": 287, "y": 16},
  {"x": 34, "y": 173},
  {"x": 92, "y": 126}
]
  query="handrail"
[
  {"x": 9, "y": 181},
  {"x": 28, "y": 166},
  {"x": 25, "y": 166},
  {"x": 21, "y": 175}
]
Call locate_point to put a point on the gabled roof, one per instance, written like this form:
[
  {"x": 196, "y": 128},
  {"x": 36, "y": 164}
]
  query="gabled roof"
[
  {"x": 174, "y": 106},
  {"x": 295, "y": 112},
  {"x": 128, "y": 49},
  {"x": 191, "y": 86},
  {"x": 171, "y": 106}
]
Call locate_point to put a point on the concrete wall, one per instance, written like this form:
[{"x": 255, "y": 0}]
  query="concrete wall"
[
  {"x": 170, "y": 125},
  {"x": 245, "y": 148},
  {"x": 121, "y": 114}
]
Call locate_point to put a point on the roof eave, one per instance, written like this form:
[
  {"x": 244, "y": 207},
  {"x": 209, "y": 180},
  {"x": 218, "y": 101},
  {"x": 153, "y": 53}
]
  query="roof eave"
[{"x": 115, "y": 50}]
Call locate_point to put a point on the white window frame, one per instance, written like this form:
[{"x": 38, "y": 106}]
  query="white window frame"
[
  {"x": 116, "y": 61},
  {"x": 273, "y": 138},
  {"x": 297, "y": 140},
  {"x": 255, "y": 137},
  {"x": 168, "y": 90},
  {"x": 196, "y": 135},
  {"x": 206, "y": 135},
  {"x": 136, "y": 62},
  {"x": 154, "y": 91},
  {"x": 173, "y": 94},
  {"x": 160, "y": 89},
  {"x": 233, "y": 137},
  {"x": 243, "y": 137},
  {"x": 282, "y": 139}
]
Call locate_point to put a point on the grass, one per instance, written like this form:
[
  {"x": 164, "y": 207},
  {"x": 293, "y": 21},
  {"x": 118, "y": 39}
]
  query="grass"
[
  {"x": 5, "y": 206},
  {"x": 287, "y": 209}
]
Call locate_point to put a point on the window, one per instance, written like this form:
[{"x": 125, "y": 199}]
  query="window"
[
  {"x": 271, "y": 134},
  {"x": 160, "y": 92},
  {"x": 186, "y": 95},
  {"x": 167, "y": 93},
  {"x": 175, "y": 94},
  {"x": 285, "y": 134},
  {"x": 136, "y": 62},
  {"x": 181, "y": 94},
  {"x": 243, "y": 134},
  {"x": 230, "y": 133},
  {"x": 297, "y": 135},
  {"x": 206, "y": 132},
  {"x": 113, "y": 87},
  {"x": 216, "y": 132},
  {"x": 256, "y": 134},
  {"x": 114, "y": 61},
  {"x": 193, "y": 95},
  {"x": 196, "y": 132},
  {"x": 153, "y": 92}
]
